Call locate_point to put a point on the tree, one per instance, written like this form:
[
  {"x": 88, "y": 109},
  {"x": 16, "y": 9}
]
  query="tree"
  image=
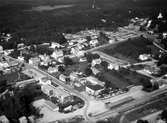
[
  {"x": 61, "y": 68},
  {"x": 104, "y": 64},
  {"x": 88, "y": 71},
  {"x": 68, "y": 61},
  {"x": 164, "y": 115},
  {"x": 146, "y": 84},
  {"x": 142, "y": 121},
  {"x": 3, "y": 83}
]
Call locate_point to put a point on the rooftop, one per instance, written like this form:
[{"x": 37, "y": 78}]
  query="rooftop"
[{"x": 94, "y": 87}]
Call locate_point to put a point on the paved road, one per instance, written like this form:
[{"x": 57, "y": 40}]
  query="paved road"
[
  {"x": 66, "y": 87},
  {"x": 25, "y": 82}
]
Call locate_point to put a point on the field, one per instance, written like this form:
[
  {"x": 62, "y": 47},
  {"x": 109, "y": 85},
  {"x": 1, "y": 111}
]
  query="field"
[
  {"x": 129, "y": 50},
  {"x": 149, "y": 108},
  {"x": 42, "y": 19}
]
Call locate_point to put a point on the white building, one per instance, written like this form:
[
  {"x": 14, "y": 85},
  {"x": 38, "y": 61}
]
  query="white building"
[
  {"x": 58, "y": 92},
  {"x": 56, "y": 54},
  {"x": 93, "y": 89},
  {"x": 4, "y": 119},
  {"x": 94, "y": 81},
  {"x": 96, "y": 61},
  {"x": 23, "y": 120}
]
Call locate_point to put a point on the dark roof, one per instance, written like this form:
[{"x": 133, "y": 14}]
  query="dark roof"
[{"x": 94, "y": 87}]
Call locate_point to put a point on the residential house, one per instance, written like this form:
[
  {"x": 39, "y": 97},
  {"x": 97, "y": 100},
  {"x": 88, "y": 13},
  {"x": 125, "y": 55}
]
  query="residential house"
[
  {"x": 53, "y": 69},
  {"x": 4, "y": 119},
  {"x": 21, "y": 58},
  {"x": 56, "y": 54},
  {"x": 113, "y": 66},
  {"x": 45, "y": 59},
  {"x": 55, "y": 45},
  {"x": 95, "y": 70},
  {"x": 62, "y": 77},
  {"x": 144, "y": 57},
  {"x": 58, "y": 92},
  {"x": 23, "y": 120},
  {"x": 1, "y": 49},
  {"x": 93, "y": 89},
  {"x": 96, "y": 61},
  {"x": 34, "y": 61},
  {"x": 77, "y": 52},
  {"x": 94, "y": 42},
  {"x": 74, "y": 76},
  {"x": 94, "y": 81},
  {"x": 45, "y": 81}
]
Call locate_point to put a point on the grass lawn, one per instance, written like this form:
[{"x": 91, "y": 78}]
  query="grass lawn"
[
  {"x": 76, "y": 67},
  {"x": 129, "y": 50},
  {"x": 14, "y": 77}
]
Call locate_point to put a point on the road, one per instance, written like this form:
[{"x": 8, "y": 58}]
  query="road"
[{"x": 66, "y": 88}]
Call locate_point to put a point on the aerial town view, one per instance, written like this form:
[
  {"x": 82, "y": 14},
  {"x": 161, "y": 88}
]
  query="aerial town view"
[{"x": 83, "y": 61}]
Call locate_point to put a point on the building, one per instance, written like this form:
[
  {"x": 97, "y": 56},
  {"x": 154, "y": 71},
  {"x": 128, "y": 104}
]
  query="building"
[
  {"x": 4, "y": 119},
  {"x": 144, "y": 57},
  {"x": 58, "y": 92},
  {"x": 95, "y": 70},
  {"x": 94, "y": 81},
  {"x": 96, "y": 61},
  {"x": 23, "y": 120},
  {"x": 53, "y": 69},
  {"x": 1, "y": 49},
  {"x": 93, "y": 89},
  {"x": 62, "y": 77},
  {"x": 34, "y": 61},
  {"x": 56, "y": 54},
  {"x": 45, "y": 81},
  {"x": 74, "y": 76},
  {"x": 55, "y": 45}
]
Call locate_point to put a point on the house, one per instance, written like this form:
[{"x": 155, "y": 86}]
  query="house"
[
  {"x": 96, "y": 61},
  {"x": 144, "y": 57},
  {"x": 53, "y": 69},
  {"x": 45, "y": 81},
  {"x": 113, "y": 66},
  {"x": 93, "y": 89},
  {"x": 23, "y": 119},
  {"x": 45, "y": 59},
  {"x": 1, "y": 49},
  {"x": 62, "y": 77},
  {"x": 21, "y": 58},
  {"x": 94, "y": 81},
  {"x": 75, "y": 51},
  {"x": 95, "y": 70},
  {"x": 57, "y": 53},
  {"x": 4, "y": 119},
  {"x": 34, "y": 61},
  {"x": 51, "y": 105},
  {"x": 94, "y": 42},
  {"x": 74, "y": 76},
  {"x": 58, "y": 92},
  {"x": 55, "y": 45}
]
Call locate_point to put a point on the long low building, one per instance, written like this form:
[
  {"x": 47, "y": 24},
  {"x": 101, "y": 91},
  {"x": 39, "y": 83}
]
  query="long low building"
[{"x": 58, "y": 92}]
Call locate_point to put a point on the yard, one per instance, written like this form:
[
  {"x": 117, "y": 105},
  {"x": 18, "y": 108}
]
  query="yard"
[
  {"x": 129, "y": 50},
  {"x": 15, "y": 77}
]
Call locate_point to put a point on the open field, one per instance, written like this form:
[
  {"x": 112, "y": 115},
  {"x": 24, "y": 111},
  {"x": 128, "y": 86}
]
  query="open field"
[
  {"x": 129, "y": 50},
  {"x": 148, "y": 108}
]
